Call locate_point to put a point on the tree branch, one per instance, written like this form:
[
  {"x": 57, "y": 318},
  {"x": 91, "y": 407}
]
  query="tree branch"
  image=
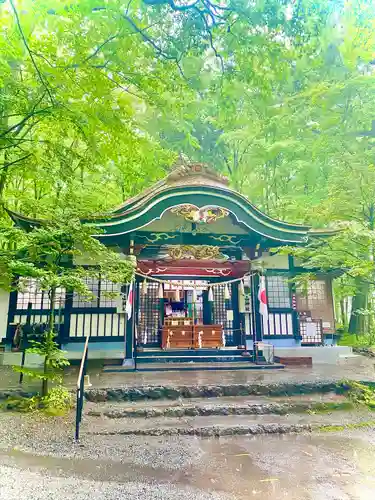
[
  {"x": 99, "y": 48},
  {"x": 41, "y": 78},
  {"x": 182, "y": 7},
  {"x": 9, "y": 164},
  {"x": 209, "y": 33},
  {"x": 158, "y": 49},
  {"x": 122, "y": 87},
  {"x": 22, "y": 123},
  {"x": 149, "y": 40}
]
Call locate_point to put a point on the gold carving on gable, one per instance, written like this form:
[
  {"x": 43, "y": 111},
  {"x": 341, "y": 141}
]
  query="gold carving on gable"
[
  {"x": 204, "y": 215},
  {"x": 196, "y": 252}
]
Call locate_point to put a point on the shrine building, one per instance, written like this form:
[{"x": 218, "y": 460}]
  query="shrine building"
[{"x": 203, "y": 251}]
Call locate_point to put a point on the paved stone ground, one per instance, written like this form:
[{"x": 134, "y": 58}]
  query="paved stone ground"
[{"x": 354, "y": 368}]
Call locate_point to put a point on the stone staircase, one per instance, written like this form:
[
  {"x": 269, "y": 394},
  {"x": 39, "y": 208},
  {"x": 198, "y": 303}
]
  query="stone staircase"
[
  {"x": 209, "y": 411},
  {"x": 195, "y": 359}
]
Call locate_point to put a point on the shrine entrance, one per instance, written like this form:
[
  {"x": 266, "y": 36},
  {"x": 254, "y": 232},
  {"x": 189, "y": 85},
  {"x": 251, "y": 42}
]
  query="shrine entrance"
[{"x": 187, "y": 314}]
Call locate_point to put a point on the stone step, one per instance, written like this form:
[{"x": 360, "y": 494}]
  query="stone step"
[
  {"x": 175, "y": 391},
  {"x": 186, "y": 358},
  {"x": 194, "y": 365},
  {"x": 228, "y": 425},
  {"x": 149, "y": 352},
  {"x": 220, "y": 406}
]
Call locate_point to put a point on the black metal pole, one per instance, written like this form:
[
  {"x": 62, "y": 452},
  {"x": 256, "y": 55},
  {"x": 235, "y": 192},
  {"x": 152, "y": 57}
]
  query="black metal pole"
[
  {"x": 77, "y": 414},
  {"x": 23, "y": 343}
]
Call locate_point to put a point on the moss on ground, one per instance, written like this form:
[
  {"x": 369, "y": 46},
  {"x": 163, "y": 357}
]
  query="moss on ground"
[
  {"x": 331, "y": 406},
  {"x": 359, "y": 394},
  {"x": 357, "y": 425}
]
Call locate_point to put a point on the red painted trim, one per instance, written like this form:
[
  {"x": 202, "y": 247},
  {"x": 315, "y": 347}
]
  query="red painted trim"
[{"x": 205, "y": 268}]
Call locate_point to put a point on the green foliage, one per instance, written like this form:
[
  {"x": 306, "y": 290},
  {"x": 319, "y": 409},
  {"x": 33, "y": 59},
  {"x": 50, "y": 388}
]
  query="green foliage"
[
  {"x": 57, "y": 403},
  {"x": 369, "y": 424},
  {"x": 328, "y": 407},
  {"x": 360, "y": 394},
  {"x": 47, "y": 253},
  {"x": 22, "y": 405},
  {"x": 54, "y": 361}
]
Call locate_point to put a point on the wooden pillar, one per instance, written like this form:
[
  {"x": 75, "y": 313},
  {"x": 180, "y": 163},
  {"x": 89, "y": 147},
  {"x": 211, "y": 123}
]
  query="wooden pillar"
[
  {"x": 293, "y": 292},
  {"x": 12, "y": 308},
  {"x": 129, "y": 330},
  {"x": 258, "y": 318},
  {"x": 236, "y": 315},
  {"x": 207, "y": 309},
  {"x": 161, "y": 317}
]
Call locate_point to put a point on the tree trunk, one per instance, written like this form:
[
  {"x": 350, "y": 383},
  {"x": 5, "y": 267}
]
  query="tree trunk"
[
  {"x": 51, "y": 319},
  {"x": 51, "y": 326},
  {"x": 4, "y": 175},
  {"x": 357, "y": 323},
  {"x": 45, "y": 380},
  {"x": 344, "y": 320}
]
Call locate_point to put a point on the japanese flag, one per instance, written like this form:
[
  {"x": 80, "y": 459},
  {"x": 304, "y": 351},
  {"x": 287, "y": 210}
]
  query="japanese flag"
[
  {"x": 129, "y": 301},
  {"x": 262, "y": 296}
]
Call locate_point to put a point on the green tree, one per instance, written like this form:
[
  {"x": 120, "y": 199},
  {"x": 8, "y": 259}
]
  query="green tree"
[{"x": 47, "y": 253}]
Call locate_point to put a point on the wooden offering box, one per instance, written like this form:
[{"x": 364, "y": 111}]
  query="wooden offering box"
[
  {"x": 181, "y": 333},
  {"x": 208, "y": 336},
  {"x": 174, "y": 337}
]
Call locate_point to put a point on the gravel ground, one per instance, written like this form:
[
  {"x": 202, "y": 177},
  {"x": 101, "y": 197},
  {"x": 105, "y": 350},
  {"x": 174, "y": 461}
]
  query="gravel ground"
[
  {"x": 54, "y": 437},
  {"x": 16, "y": 484},
  {"x": 39, "y": 460}
]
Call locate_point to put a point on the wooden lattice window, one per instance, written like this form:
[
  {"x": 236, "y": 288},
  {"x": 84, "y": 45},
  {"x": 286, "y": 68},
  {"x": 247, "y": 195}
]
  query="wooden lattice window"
[
  {"x": 30, "y": 292},
  {"x": 104, "y": 294},
  {"x": 220, "y": 314},
  {"x": 314, "y": 297},
  {"x": 278, "y": 293},
  {"x": 311, "y": 331},
  {"x": 149, "y": 315}
]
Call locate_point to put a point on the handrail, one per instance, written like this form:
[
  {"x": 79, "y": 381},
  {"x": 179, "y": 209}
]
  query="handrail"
[{"x": 80, "y": 387}]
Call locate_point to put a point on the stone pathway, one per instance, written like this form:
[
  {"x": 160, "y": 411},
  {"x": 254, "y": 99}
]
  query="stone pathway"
[{"x": 354, "y": 368}]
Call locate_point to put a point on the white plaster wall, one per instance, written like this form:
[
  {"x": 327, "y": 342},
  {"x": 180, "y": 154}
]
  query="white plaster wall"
[
  {"x": 271, "y": 262},
  {"x": 4, "y": 307},
  {"x": 97, "y": 325}
]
